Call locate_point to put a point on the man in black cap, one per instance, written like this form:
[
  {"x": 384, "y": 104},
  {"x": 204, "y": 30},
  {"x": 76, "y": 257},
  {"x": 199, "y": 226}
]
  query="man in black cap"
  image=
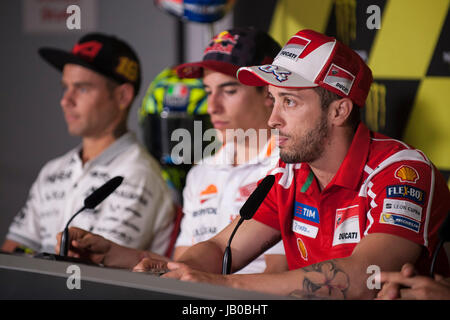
[{"x": 101, "y": 77}]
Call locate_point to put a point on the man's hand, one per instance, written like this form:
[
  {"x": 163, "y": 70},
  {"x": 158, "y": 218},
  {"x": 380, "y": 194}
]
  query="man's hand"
[
  {"x": 409, "y": 286},
  {"x": 183, "y": 272},
  {"x": 86, "y": 245}
]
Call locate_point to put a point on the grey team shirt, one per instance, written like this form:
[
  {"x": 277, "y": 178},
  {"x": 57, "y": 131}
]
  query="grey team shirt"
[{"x": 138, "y": 214}]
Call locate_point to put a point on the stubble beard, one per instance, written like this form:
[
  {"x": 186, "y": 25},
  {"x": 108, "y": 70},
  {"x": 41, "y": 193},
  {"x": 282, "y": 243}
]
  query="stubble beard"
[{"x": 310, "y": 147}]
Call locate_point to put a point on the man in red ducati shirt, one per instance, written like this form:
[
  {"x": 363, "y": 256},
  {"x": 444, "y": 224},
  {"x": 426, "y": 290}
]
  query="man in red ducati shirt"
[{"x": 345, "y": 198}]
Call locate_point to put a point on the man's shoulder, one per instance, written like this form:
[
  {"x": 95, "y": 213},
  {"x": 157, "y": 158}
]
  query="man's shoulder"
[
  {"x": 61, "y": 162},
  {"x": 137, "y": 158},
  {"x": 385, "y": 151}
]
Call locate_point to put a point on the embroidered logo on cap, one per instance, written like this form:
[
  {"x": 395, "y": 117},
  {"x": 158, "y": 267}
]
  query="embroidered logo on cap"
[
  {"x": 279, "y": 75},
  {"x": 339, "y": 78},
  {"x": 294, "y": 48},
  {"x": 128, "y": 68},
  {"x": 224, "y": 42},
  {"x": 87, "y": 50}
]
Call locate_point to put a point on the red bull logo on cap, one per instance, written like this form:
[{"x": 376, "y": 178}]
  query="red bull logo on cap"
[{"x": 224, "y": 42}]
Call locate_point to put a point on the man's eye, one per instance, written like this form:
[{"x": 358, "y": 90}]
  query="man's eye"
[
  {"x": 230, "y": 92},
  {"x": 289, "y": 102}
]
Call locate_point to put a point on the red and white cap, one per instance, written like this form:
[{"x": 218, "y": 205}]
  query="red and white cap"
[{"x": 310, "y": 59}]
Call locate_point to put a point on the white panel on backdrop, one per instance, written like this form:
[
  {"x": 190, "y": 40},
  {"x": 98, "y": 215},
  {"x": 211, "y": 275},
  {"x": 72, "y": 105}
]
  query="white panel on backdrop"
[{"x": 59, "y": 16}]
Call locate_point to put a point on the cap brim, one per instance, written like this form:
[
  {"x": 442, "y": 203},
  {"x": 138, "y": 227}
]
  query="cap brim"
[
  {"x": 58, "y": 58},
  {"x": 195, "y": 69},
  {"x": 280, "y": 77}
]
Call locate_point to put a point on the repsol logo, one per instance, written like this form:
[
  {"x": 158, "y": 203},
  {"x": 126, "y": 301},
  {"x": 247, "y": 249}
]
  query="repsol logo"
[
  {"x": 204, "y": 211},
  {"x": 342, "y": 87},
  {"x": 348, "y": 235}
]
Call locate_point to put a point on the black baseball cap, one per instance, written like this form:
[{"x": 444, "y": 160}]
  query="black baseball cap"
[
  {"x": 105, "y": 54},
  {"x": 231, "y": 49}
]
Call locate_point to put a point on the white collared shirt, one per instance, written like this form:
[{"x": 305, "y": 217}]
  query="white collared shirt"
[
  {"x": 138, "y": 214},
  {"x": 216, "y": 190}
]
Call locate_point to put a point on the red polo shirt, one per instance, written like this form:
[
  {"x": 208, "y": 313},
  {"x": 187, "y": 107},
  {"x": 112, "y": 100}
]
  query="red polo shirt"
[{"x": 382, "y": 186}]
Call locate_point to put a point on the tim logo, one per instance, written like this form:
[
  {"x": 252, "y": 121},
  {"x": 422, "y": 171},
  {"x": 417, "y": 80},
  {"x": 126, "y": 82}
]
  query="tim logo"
[{"x": 306, "y": 212}]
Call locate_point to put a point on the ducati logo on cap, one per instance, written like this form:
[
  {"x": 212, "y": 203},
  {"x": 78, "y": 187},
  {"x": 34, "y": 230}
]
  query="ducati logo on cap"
[
  {"x": 279, "y": 75},
  {"x": 339, "y": 78},
  {"x": 294, "y": 48}
]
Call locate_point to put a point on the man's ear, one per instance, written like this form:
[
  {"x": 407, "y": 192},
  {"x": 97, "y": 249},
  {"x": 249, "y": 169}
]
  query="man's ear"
[
  {"x": 124, "y": 94},
  {"x": 268, "y": 101},
  {"x": 340, "y": 111}
]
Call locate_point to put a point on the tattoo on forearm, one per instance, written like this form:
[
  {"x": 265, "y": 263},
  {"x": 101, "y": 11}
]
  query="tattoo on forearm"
[{"x": 325, "y": 279}]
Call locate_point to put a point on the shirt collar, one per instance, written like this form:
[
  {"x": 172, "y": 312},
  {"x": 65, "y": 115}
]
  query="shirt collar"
[
  {"x": 110, "y": 153},
  {"x": 351, "y": 169}
]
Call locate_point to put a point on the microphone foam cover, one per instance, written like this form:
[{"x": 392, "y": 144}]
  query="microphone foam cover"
[
  {"x": 257, "y": 197},
  {"x": 101, "y": 193}
]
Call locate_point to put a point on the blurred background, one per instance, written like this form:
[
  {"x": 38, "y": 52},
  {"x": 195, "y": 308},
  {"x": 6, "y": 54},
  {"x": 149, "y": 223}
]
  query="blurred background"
[{"x": 405, "y": 42}]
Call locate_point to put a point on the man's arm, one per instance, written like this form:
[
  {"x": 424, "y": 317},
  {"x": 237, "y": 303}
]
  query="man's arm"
[
  {"x": 275, "y": 263},
  {"x": 245, "y": 247},
  {"x": 95, "y": 248},
  {"x": 10, "y": 245},
  {"x": 338, "y": 278}
]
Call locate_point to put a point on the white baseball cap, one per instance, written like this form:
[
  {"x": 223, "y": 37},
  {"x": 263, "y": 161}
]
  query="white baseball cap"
[{"x": 310, "y": 59}]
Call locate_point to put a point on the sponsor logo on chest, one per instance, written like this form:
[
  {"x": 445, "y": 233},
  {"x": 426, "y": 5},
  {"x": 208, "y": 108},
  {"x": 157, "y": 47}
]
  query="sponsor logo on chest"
[
  {"x": 303, "y": 214},
  {"x": 346, "y": 227}
]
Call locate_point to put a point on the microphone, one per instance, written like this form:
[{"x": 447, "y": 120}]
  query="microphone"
[
  {"x": 247, "y": 211},
  {"x": 90, "y": 202},
  {"x": 444, "y": 236}
]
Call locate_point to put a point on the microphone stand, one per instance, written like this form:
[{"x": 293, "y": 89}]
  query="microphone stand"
[
  {"x": 64, "y": 246},
  {"x": 227, "y": 259}
]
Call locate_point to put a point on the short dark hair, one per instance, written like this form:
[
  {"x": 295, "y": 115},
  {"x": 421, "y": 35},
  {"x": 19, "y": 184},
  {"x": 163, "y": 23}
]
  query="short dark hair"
[{"x": 327, "y": 97}]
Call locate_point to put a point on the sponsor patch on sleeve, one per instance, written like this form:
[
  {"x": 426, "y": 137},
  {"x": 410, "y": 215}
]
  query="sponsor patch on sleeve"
[
  {"x": 346, "y": 227},
  {"x": 407, "y": 192},
  {"x": 406, "y": 174},
  {"x": 402, "y": 207},
  {"x": 401, "y": 221}
]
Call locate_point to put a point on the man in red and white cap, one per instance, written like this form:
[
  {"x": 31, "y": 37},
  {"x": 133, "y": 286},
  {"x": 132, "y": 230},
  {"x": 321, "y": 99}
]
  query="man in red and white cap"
[{"x": 346, "y": 201}]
